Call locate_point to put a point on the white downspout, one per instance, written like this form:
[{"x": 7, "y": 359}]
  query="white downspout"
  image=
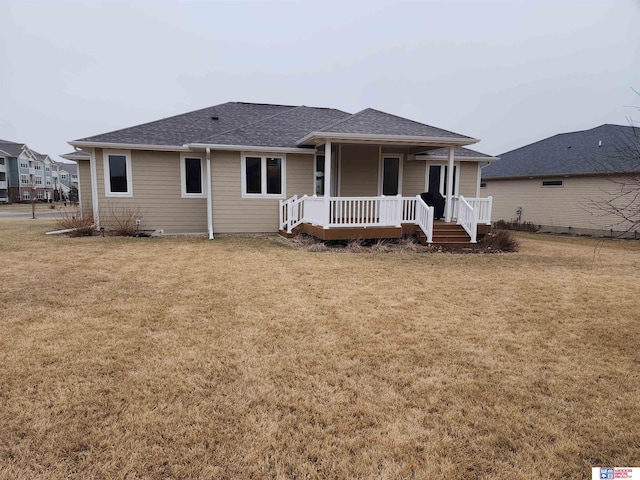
[
  {"x": 94, "y": 187},
  {"x": 449, "y": 212},
  {"x": 209, "y": 204}
]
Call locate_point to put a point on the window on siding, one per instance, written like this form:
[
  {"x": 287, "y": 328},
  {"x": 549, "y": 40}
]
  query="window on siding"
[
  {"x": 24, "y": 178},
  {"x": 48, "y": 181},
  {"x": 483, "y": 184},
  {"x": 263, "y": 176},
  {"x": 552, "y": 183},
  {"x": 24, "y": 164},
  {"x": 319, "y": 175},
  {"x": 274, "y": 176},
  {"x": 38, "y": 180},
  {"x": 117, "y": 174},
  {"x": 191, "y": 170}
]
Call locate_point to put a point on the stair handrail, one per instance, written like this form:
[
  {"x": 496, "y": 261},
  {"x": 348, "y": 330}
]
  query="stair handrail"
[
  {"x": 424, "y": 218},
  {"x": 468, "y": 218}
]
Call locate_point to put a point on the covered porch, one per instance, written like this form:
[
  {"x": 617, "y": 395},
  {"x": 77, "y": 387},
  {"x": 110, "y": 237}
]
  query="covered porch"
[
  {"x": 369, "y": 187},
  {"x": 344, "y": 218}
]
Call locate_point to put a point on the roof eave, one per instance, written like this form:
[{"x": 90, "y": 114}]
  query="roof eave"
[
  {"x": 74, "y": 157},
  {"x": 458, "y": 157},
  {"x": 386, "y": 139},
  {"x": 132, "y": 146}
]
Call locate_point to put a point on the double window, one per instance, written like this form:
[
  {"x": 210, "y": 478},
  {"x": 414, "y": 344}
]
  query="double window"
[
  {"x": 117, "y": 174},
  {"x": 192, "y": 176},
  {"x": 263, "y": 176},
  {"x": 37, "y": 166},
  {"x": 24, "y": 164},
  {"x": 48, "y": 181},
  {"x": 47, "y": 168},
  {"x": 24, "y": 178},
  {"x": 38, "y": 180},
  {"x": 26, "y": 195}
]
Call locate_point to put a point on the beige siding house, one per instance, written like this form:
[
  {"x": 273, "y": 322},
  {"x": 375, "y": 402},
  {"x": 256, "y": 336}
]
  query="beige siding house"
[
  {"x": 254, "y": 168},
  {"x": 569, "y": 183}
]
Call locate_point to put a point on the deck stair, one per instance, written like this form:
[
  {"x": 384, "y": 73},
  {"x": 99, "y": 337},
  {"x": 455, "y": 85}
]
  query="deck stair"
[{"x": 445, "y": 234}]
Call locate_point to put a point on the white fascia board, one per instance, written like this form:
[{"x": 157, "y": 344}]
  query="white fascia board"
[
  {"x": 458, "y": 159},
  {"x": 391, "y": 139},
  {"x": 73, "y": 157},
  {"x": 245, "y": 148},
  {"x": 128, "y": 146}
]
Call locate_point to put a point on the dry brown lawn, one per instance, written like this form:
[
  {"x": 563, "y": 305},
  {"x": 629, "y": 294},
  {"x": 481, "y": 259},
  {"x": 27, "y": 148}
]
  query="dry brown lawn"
[{"x": 242, "y": 358}]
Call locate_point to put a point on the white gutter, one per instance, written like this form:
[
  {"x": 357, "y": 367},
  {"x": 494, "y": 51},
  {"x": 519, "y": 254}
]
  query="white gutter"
[
  {"x": 209, "y": 201},
  {"x": 251, "y": 148},
  {"x": 135, "y": 146},
  {"x": 458, "y": 159},
  {"x": 398, "y": 139}
]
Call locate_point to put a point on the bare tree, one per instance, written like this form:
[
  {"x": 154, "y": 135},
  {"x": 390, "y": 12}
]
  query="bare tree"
[{"x": 621, "y": 166}]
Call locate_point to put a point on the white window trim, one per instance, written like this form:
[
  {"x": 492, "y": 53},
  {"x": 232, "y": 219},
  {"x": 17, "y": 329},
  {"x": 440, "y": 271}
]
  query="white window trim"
[
  {"x": 315, "y": 165},
  {"x": 183, "y": 177},
  {"x": 26, "y": 195},
  {"x": 381, "y": 170},
  {"x": 107, "y": 174},
  {"x": 38, "y": 180},
  {"x": 263, "y": 156},
  {"x": 22, "y": 179},
  {"x": 47, "y": 181}
]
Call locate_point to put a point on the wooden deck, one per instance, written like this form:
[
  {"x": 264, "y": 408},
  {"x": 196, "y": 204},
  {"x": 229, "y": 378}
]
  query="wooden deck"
[{"x": 445, "y": 234}]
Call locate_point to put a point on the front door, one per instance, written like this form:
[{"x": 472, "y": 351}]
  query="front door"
[
  {"x": 437, "y": 181},
  {"x": 391, "y": 171}
]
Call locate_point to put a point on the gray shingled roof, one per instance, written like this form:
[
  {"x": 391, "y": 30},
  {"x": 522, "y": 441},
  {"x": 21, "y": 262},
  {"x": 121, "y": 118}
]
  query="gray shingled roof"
[
  {"x": 79, "y": 153},
  {"x": 597, "y": 150},
  {"x": 192, "y": 127},
  {"x": 458, "y": 152},
  {"x": 251, "y": 124},
  {"x": 72, "y": 168},
  {"x": 12, "y": 148},
  {"x": 280, "y": 130},
  {"x": 375, "y": 122}
]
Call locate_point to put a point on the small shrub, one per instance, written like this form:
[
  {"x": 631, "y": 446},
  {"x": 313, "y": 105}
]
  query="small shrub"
[
  {"x": 500, "y": 241},
  {"x": 513, "y": 225},
  {"x": 356, "y": 246},
  {"x": 121, "y": 220},
  {"x": 82, "y": 226}
]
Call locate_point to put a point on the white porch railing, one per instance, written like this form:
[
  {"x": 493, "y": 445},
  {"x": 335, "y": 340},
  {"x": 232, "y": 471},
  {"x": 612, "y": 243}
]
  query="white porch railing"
[
  {"x": 291, "y": 212},
  {"x": 482, "y": 205},
  {"x": 329, "y": 212},
  {"x": 424, "y": 217},
  {"x": 468, "y": 218}
]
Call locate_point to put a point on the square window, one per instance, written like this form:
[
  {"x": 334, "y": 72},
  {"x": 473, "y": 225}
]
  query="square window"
[{"x": 263, "y": 176}]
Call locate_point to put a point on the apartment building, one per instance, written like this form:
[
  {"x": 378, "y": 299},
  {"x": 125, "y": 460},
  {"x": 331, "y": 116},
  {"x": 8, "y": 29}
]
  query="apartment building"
[{"x": 24, "y": 173}]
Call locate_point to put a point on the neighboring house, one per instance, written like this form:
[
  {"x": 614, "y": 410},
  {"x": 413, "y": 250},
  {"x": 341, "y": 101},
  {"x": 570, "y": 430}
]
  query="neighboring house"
[
  {"x": 66, "y": 178},
  {"x": 249, "y": 168},
  {"x": 24, "y": 173},
  {"x": 560, "y": 183}
]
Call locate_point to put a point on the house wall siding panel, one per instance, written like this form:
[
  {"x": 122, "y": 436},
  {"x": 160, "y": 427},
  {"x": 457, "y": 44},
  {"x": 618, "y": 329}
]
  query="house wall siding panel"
[
  {"x": 566, "y": 206},
  {"x": 413, "y": 178},
  {"x": 468, "y": 179},
  {"x": 84, "y": 181},
  {"x": 157, "y": 196},
  {"x": 359, "y": 173},
  {"x": 234, "y": 214}
]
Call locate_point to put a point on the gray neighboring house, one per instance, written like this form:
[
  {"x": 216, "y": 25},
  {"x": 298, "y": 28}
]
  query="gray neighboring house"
[
  {"x": 24, "y": 173},
  {"x": 250, "y": 168},
  {"x": 557, "y": 183}
]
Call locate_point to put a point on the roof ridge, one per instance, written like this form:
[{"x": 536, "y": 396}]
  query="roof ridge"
[
  {"x": 252, "y": 123},
  {"x": 338, "y": 122}
]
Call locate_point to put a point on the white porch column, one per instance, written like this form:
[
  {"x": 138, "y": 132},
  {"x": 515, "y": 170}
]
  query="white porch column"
[
  {"x": 449, "y": 210},
  {"x": 327, "y": 183}
]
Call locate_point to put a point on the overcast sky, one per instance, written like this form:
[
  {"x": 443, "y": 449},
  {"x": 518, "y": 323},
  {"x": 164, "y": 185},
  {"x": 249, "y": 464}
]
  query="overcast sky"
[{"x": 508, "y": 72}]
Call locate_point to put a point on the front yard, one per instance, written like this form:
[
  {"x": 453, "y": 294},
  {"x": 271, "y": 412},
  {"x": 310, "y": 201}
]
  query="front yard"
[{"x": 242, "y": 358}]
